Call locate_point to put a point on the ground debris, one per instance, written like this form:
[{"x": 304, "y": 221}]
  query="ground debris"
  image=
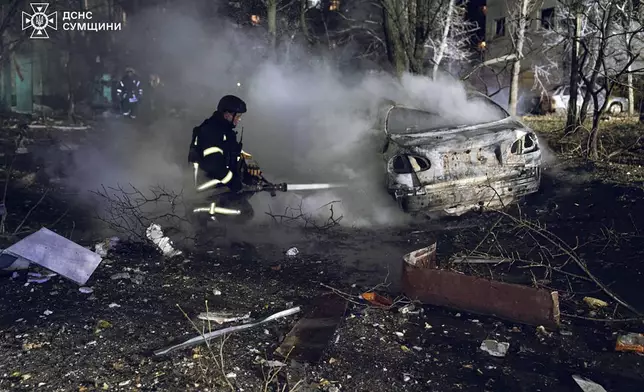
[
  {"x": 222, "y": 317},
  {"x": 586, "y": 385},
  {"x": 495, "y": 348},
  {"x": 155, "y": 234},
  {"x": 423, "y": 281},
  {"x": 630, "y": 342},
  {"x": 58, "y": 254},
  {"x": 210, "y": 335},
  {"x": 595, "y": 303}
]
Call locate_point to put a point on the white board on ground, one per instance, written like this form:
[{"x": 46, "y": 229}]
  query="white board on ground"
[{"x": 58, "y": 254}]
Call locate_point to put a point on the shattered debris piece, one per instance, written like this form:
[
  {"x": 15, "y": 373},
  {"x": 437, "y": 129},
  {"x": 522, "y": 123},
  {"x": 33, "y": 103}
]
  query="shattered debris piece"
[
  {"x": 377, "y": 299},
  {"x": 310, "y": 336},
  {"x": 47, "y": 312},
  {"x": 113, "y": 305},
  {"x": 155, "y": 234},
  {"x": 595, "y": 303},
  {"x": 222, "y": 317},
  {"x": 542, "y": 331},
  {"x": 630, "y": 342},
  {"x": 58, "y": 254},
  {"x": 494, "y": 348},
  {"x": 208, "y": 336},
  {"x": 513, "y": 302},
  {"x": 35, "y": 277},
  {"x": 292, "y": 252},
  {"x": 586, "y": 385},
  {"x": 422, "y": 258},
  {"x": 409, "y": 309},
  {"x": 272, "y": 364},
  {"x": 120, "y": 275},
  {"x": 86, "y": 290},
  {"x": 104, "y": 247},
  {"x": 216, "y": 292}
]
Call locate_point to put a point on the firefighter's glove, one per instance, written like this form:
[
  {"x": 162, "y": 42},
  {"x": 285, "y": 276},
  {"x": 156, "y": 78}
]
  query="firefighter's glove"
[{"x": 252, "y": 168}]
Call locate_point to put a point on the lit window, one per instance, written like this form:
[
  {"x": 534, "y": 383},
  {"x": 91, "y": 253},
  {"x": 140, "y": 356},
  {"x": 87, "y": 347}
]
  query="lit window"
[
  {"x": 254, "y": 19},
  {"x": 334, "y": 5}
]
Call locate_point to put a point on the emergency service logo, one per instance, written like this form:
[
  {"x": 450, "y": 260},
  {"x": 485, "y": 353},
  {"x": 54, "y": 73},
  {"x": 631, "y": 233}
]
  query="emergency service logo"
[{"x": 39, "y": 21}]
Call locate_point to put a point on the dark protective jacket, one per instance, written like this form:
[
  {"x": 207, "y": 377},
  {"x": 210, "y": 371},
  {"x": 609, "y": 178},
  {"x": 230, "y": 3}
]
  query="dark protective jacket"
[
  {"x": 215, "y": 148},
  {"x": 130, "y": 87}
]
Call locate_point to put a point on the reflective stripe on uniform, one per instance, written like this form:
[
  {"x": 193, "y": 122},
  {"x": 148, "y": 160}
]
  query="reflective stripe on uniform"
[
  {"x": 213, "y": 209},
  {"x": 212, "y": 150},
  {"x": 212, "y": 183},
  {"x": 196, "y": 166}
]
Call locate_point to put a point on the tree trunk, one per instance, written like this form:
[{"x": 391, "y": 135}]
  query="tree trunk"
[
  {"x": 572, "y": 119},
  {"x": 593, "y": 138},
  {"x": 304, "y": 7},
  {"x": 631, "y": 91},
  {"x": 438, "y": 56},
  {"x": 395, "y": 49},
  {"x": 271, "y": 19},
  {"x": 516, "y": 67}
]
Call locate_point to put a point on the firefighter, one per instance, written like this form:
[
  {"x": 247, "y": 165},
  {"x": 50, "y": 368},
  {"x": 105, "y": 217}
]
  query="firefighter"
[
  {"x": 130, "y": 91},
  {"x": 217, "y": 155}
]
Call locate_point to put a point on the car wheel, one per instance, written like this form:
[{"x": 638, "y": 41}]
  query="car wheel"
[{"x": 615, "y": 108}]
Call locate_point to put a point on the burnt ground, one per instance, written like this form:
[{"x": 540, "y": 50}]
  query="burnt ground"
[{"x": 55, "y": 338}]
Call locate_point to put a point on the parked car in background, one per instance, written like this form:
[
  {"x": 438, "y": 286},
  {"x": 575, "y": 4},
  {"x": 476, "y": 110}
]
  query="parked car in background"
[{"x": 557, "y": 101}]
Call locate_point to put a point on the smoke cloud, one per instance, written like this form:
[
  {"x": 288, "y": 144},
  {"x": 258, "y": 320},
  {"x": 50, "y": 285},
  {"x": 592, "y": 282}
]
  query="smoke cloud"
[{"x": 307, "y": 121}]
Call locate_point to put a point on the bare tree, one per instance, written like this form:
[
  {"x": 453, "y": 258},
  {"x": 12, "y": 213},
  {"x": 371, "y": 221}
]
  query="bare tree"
[
  {"x": 619, "y": 42},
  {"x": 607, "y": 39},
  {"x": 10, "y": 34},
  {"x": 455, "y": 34},
  {"x": 603, "y": 39},
  {"x": 407, "y": 28},
  {"x": 519, "y": 22}
]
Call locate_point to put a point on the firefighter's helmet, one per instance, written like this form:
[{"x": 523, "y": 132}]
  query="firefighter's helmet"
[{"x": 231, "y": 104}]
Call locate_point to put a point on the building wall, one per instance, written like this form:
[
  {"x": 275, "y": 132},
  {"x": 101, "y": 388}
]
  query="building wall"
[{"x": 498, "y": 45}]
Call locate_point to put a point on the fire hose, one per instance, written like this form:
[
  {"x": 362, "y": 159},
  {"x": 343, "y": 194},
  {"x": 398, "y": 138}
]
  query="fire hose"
[{"x": 266, "y": 186}]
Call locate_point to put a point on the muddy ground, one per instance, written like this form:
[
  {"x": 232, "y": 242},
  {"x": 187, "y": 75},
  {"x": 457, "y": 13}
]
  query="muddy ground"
[{"x": 55, "y": 338}]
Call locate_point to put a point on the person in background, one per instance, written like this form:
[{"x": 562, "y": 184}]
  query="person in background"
[{"x": 129, "y": 91}]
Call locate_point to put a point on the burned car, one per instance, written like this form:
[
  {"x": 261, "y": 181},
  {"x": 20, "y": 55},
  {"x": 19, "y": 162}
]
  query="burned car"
[{"x": 437, "y": 166}]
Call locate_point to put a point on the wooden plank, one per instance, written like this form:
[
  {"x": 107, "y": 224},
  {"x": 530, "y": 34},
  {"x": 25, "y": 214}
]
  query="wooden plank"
[{"x": 310, "y": 336}]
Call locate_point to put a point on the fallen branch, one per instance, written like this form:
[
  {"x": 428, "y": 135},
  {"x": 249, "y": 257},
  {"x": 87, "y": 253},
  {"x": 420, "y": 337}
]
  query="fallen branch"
[
  {"x": 130, "y": 211},
  {"x": 297, "y": 214},
  {"x": 567, "y": 250},
  {"x": 30, "y": 211}
]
